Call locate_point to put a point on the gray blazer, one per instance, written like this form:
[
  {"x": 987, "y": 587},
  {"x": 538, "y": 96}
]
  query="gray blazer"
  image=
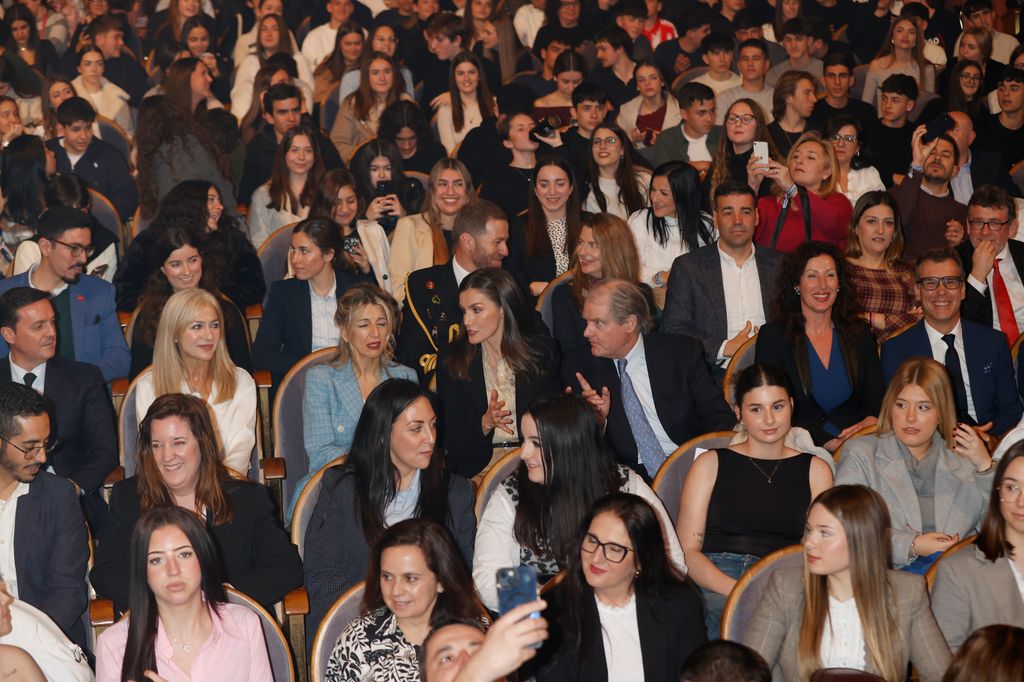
[
  {"x": 774, "y": 630},
  {"x": 961, "y": 495},
  {"x": 695, "y": 300},
  {"x": 971, "y": 592}
]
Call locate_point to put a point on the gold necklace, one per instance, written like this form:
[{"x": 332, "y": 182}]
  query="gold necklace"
[{"x": 758, "y": 467}]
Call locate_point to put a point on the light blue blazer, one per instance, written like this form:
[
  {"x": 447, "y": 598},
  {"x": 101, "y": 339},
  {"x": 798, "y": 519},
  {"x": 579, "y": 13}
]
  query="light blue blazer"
[{"x": 330, "y": 411}]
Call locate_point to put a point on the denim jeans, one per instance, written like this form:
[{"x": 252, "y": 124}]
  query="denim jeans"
[
  {"x": 733, "y": 565},
  {"x": 921, "y": 564}
]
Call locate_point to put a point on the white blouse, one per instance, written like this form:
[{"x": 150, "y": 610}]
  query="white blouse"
[
  {"x": 655, "y": 257},
  {"x": 264, "y": 221},
  {"x": 862, "y": 181},
  {"x": 621, "y": 634},
  {"x": 842, "y": 641},
  {"x": 451, "y": 138},
  {"x": 610, "y": 189}
]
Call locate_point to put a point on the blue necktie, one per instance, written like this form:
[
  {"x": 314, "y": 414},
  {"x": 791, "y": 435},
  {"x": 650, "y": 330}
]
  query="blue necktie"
[{"x": 647, "y": 446}]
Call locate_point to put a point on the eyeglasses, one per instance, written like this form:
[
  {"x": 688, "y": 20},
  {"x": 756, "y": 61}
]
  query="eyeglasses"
[
  {"x": 605, "y": 142},
  {"x": 745, "y": 119},
  {"x": 77, "y": 249},
  {"x": 848, "y": 139},
  {"x": 44, "y": 448},
  {"x": 1010, "y": 492},
  {"x": 970, "y": 77},
  {"x": 613, "y": 551},
  {"x": 993, "y": 225},
  {"x": 932, "y": 283}
]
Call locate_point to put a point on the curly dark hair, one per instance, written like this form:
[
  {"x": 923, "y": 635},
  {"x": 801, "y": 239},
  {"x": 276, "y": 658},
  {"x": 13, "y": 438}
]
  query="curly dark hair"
[
  {"x": 160, "y": 123},
  {"x": 788, "y": 311}
]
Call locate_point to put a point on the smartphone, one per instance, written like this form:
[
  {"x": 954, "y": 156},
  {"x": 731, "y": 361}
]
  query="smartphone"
[
  {"x": 937, "y": 126},
  {"x": 384, "y": 188},
  {"x": 761, "y": 151},
  {"x": 517, "y": 586}
]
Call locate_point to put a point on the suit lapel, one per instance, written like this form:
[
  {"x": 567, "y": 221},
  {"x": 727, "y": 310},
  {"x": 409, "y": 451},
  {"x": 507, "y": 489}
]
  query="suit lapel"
[
  {"x": 5, "y": 369},
  {"x": 766, "y": 277},
  {"x": 894, "y": 472},
  {"x": 79, "y": 304},
  {"x": 947, "y": 483},
  {"x": 652, "y": 638},
  {"x": 26, "y": 526},
  {"x": 976, "y": 363},
  {"x": 349, "y": 395},
  {"x": 997, "y": 577}
]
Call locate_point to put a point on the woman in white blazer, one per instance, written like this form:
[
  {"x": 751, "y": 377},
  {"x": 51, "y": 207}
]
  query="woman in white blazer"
[
  {"x": 107, "y": 99},
  {"x": 364, "y": 240},
  {"x": 653, "y": 110}
]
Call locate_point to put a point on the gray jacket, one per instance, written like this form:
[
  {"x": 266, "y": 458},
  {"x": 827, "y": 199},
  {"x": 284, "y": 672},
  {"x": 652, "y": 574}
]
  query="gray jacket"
[{"x": 186, "y": 159}]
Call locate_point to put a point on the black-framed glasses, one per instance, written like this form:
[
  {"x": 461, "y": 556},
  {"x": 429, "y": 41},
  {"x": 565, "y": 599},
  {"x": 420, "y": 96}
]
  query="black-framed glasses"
[
  {"x": 77, "y": 249},
  {"x": 949, "y": 282},
  {"x": 613, "y": 551},
  {"x": 745, "y": 119},
  {"x": 46, "y": 448},
  {"x": 848, "y": 139},
  {"x": 994, "y": 225},
  {"x": 970, "y": 77}
]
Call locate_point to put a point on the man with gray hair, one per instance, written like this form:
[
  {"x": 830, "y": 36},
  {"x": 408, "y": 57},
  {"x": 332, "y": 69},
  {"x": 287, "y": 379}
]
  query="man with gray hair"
[{"x": 651, "y": 391}]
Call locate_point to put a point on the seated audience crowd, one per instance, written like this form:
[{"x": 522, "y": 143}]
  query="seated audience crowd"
[{"x": 587, "y": 340}]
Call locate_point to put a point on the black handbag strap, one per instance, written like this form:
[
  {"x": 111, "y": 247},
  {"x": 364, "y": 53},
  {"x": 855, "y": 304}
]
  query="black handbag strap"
[{"x": 805, "y": 208}]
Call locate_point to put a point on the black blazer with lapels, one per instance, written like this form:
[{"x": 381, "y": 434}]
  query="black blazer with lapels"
[
  {"x": 465, "y": 402},
  {"x": 671, "y": 627},
  {"x": 688, "y": 401},
  {"x": 431, "y": 318},
  {"x": 977, "y": 306}
]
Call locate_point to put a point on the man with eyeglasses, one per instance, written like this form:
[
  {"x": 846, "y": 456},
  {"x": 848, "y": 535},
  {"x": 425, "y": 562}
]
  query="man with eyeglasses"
[
  {"x": 977, "y": 357},
  {"x": 86, "y": 319},
  {"x": 103, "y": 168},
  {"x": 995, "y": 291},
  {"x": 931, "y": 217},
  {"x": 43, "y": 545},
  {"x": 978, "y": 14}
]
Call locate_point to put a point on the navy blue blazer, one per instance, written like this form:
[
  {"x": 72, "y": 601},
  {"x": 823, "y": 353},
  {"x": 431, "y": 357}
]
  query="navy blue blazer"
[
  {"x": 51, "y": 552},
  {"x": 105, "y": 170},
  {"x": 989, "y": 367},
  {"x": 98, "y": 336}
]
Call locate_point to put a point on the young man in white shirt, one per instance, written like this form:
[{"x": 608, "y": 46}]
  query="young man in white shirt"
[
  {"x": 695, "y": 139},
  {"x": 718, "y": 52},
  {"x": 753, "y": 65},
  {"x": 320, "y": 41}
]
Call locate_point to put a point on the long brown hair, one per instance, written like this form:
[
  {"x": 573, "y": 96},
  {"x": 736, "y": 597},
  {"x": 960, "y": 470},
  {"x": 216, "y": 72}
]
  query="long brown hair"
[
  {"x": 518, "y": 338},
  {"x": 720, "y": 166},
  {"x": 280, "y": 190},
  {"x": 363, "y": 101},
  {"x": 484, "y": 99},
  {"x": 535, "y": 229},
  {"x": 212, "y": 473},
  {"x": 992, "y": 537},
  {"x": 870, "y": 200},
  {"x": 994, "y": 649},
  {"x": 177, "y": 85},
  {"x": 284, "y": 37},
  {"x": 334, "y": 65},
  {"x": 626, "y": 174},
  {"x": 888, "y": 49},
  {"x": 865, "y": 520},
  {"x": 619, "y": 257},
  {"x": 432, "y": 212}
]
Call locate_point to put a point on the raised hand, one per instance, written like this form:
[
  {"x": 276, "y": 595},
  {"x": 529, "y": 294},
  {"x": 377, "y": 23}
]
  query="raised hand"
[
  {"x": 496, "y": 417},
  {"x": 602, "y": 402}
]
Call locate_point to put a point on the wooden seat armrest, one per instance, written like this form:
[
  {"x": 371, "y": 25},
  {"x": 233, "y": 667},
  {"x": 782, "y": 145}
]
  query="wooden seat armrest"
[
  {"x": 262, "y": 378},
  {"x": 254, "y": 312},
  {"x": 101, "y": 612},
  {"x": 296, "y": 602},
  {"x": 273, "y": 468},
  {"x": 113, "y": 477},
  {"x": 119, "y": 386},
  {"x": 124, "y": 318}
]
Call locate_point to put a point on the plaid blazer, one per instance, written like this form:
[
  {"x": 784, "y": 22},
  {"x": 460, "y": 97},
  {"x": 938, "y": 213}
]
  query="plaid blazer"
[{"x": 775, "y": 627}]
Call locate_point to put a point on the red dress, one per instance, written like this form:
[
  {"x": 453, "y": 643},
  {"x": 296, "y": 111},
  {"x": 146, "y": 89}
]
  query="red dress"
[{"x": 830, "y": 221}]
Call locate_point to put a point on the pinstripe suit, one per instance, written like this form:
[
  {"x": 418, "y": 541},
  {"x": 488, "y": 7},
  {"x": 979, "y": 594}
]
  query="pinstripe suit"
[
  {"x": 960, "y": 495},
  {"x": 774, "y": 629}
]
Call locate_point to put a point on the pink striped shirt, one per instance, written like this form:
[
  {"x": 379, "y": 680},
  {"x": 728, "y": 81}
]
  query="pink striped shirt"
[{"x": 234, "y": 652}]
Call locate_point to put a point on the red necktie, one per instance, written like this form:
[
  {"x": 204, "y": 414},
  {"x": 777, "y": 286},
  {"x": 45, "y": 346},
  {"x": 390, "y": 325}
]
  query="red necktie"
[{"x": 1007, "y": 321}]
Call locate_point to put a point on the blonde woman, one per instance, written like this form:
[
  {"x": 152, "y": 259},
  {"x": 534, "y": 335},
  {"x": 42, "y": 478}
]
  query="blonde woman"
[
  {"x": 419, "y": 241},
  {"x": 844, "y": 608},
  {"x": 336, "y": 390},
  {"x": 191, "y": 357},
  {"x": 934, "y": 474}
]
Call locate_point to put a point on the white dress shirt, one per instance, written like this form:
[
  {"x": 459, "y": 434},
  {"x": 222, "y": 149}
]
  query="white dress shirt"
[
  {"x": 1017, "y": 578},
  {"x": 1014, "y": 287},
  {"x": 621, "y": 634},
  {"x": 461, "y": 273},
  {"x": 842, "y": 639},
  {"x": 636, "y": 368},
  {"x": 60, "y": 659},
  {"x": 325, "y": 332},
  {"x": 18, "y": 375},
  {"x": 234, "y": 419},
  {"x": 743, "y": 302},
  {"x": 8, "y": 513},
  {"x": 939, "y": 349},
  {"x": 961, "y": 183}
]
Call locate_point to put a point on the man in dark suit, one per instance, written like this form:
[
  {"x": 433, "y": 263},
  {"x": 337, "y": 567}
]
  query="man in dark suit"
[
  {"x": 978, "y": 167},
  {"x": 432, "y": 315},
  {"x": 976, "y": 356},
  {"x": 82, "y": 416},
  {"x": 86, "y": 319},
  {"x": 995, "y": 285},
  {"x": 43, "y": 549},
  {"x": 721, "y": 293},
  {"x": 652, "y": 391}
]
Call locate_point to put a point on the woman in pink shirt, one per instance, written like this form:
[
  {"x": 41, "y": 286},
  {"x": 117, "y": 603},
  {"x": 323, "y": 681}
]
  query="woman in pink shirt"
[{"x": 181, "y": 627}]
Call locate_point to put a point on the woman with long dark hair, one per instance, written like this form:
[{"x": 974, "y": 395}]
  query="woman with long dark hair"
[
  {"x": 724, "y": 531},
  {"x": 855, "y": 174},
  {"x": 673, "y": 224},
  {"x": 964, "y": 91},
  {"x": 382, "y": 39},
  {"x": 188, "y": 86},
  {"x": 471, "y": 100},
  {"x": 404, "y": 125},
  {"x": 978, "y": 585},
  {"x": 170, "y": 148},
  {"x": 273, "y": 36},
  {"x": 24, "y": 39},
  {"x": 415, "y": 581},
  {"x": 290, "y": 193},
  {"x": 346, "y": 56},
  {"x": 180, "y": 616},
  {"x": 623, "y": 608},
  {"x": 177, "y": 465},
  {"x": 553, "y": 222},
  {"x": 827, "y": 352},
  {"x": 380, "y": 85},
  {"x": 364, "y": 241},
  {"x": 744, "y": 122},
  {"x": 497, "y": 365},
  {"x": 535, "y": 514},
  {"x": 845, "y": 608},
  {"x": 198, "y": 36},
  {"x": 24, "y": 167},
  {"x": 379, "y": 161},
  {"x": 393, "y": 473},
  {"x": 616, "y": 185}
]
